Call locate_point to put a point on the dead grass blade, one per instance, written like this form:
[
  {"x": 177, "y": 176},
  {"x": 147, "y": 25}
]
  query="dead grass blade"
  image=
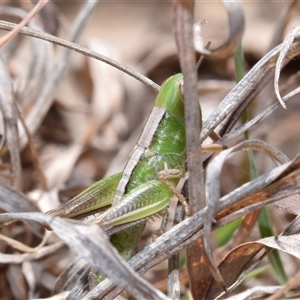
[
  {"x": 183, "y": 29},
  {"x": 290, "y": 204},
  {"x": 10, "y": 122},
  {"x": 279, "y": 183},
  {"x": 249, "y": 83},
  {"x": 182, "y": 24},
  {"x": 257, "y": 292},
  {"x": 235, "y": 134},
  {"x": 173, "y": 262},
  {"x": 288, "y": 48},
  {"x": 11, "y": 200},
  {"x": 213, "y": 188},
  {"x": 74, "y": 278},
  {"x": 40, "y": 253},
  {"x": 92, "y": 244}
]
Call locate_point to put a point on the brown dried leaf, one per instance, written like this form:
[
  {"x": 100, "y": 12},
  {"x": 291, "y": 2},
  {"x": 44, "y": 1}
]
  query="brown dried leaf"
[
  {"x": 54, "y": 173},
  {"x": 239, "y": 237},
  {"x": 276, "y": 185},
  {"x": 108, "y": 91},
  {"x": 290, "y": 204},
  {"x": 238, "y": 262},
  {"x": 106, "y": 101},
  {"x": 233, "y": 265},
  {"x": 45, "y": 99}
]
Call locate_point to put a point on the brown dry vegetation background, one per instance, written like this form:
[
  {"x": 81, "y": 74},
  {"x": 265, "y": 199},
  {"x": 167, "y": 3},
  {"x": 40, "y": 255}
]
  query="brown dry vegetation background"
[{"x": 96, "y": 113}]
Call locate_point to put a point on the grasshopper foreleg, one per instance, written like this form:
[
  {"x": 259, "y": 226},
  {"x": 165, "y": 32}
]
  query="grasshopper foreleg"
[{"x": 165, "y": 176}]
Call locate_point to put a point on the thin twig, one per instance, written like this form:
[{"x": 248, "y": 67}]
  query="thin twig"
[
  {"x": 28, "y": 17},
  {"x": 85, "y": 51}
]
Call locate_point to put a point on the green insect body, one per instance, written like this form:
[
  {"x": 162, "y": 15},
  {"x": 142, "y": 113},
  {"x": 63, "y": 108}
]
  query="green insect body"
[
  {"x": 137, "y": 192},
  {"x": 167, "y": 147},
  {"x": 145, "y": 194}
]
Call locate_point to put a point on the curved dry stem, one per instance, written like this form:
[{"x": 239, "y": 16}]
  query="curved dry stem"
[
  {"x": 236, "y": 29},
  {"x": 85, "y": 51}
]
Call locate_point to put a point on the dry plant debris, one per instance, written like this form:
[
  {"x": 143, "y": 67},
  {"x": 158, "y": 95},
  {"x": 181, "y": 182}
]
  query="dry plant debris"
[{"x": 71, "y": 115}]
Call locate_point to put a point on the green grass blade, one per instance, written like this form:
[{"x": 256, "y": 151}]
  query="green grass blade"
[
  {"x": 265, "y": 228},
  {"x": 264, "y": 221}
]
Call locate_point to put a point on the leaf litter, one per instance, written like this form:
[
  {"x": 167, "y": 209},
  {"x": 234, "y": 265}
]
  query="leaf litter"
[{"x": 38, "y": 161}]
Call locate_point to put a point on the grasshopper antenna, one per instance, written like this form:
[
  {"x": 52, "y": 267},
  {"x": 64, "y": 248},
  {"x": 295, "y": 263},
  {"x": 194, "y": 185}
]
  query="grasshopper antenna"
[{"x": 200, "y": 60}]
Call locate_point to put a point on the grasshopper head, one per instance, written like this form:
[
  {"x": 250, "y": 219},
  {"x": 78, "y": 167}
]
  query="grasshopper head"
[{"x": 170, "y": 97}]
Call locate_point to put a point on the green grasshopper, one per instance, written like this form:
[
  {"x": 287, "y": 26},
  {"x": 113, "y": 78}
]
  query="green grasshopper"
[{"x": 148, "y": 182}]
